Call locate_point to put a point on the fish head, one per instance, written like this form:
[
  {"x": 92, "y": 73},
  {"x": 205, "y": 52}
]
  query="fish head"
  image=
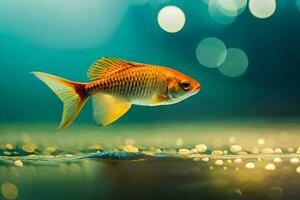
[{"x": 180, "y": 86}]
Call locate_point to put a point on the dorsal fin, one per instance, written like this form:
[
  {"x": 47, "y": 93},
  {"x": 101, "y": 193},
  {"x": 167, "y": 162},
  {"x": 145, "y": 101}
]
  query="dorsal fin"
[{"x": 107, "y": 66}]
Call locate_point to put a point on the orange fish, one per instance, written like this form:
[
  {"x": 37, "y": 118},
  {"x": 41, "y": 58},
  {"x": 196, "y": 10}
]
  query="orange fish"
[{"x": 116, "y": 85}]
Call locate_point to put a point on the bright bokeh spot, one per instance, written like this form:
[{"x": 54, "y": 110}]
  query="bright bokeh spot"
[
  {"x": 226, "y": 11},
  {"x": 250, "y": 165},
  {"x": 236, "y": 63},
  {"x": 211, "y": 52},
  {"x": 261, "y": 141},
  {"x": 222, "y": 11},
  {"x": 171, "y": 19},
  {"x": 262, "y": 8},
  {"x": 270, "y": 167},
  {"x": 298, "y": 170},
  {"x": 233, "y": 5},
  {"x": 229, "y": 7},
  {"x": 241, "y": 4}
]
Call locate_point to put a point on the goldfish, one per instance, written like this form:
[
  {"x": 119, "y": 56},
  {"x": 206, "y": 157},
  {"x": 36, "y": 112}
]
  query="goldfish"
[{"x": 116, "y": 85}]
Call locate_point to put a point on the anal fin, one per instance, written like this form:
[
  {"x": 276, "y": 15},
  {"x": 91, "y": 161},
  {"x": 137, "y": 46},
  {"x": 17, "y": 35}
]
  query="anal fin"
[{"x": 108, "y": 108}]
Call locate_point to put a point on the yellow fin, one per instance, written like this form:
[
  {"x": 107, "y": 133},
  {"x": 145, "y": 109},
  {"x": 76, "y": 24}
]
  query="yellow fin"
[
  {"x": 158, "y": 99},
  {"x": 66, "y": 92},
  {"x": 108, "y": 109},
  {"x": 107, "y": 66}
]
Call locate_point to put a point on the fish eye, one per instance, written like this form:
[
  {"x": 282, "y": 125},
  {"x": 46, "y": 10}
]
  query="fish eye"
[{"x": 185, "y": 85}]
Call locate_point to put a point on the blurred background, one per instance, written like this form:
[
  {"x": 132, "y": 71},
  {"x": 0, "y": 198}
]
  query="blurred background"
[
  {"x": 245, "y": 54},
  {"x": 227, "y": 142}
]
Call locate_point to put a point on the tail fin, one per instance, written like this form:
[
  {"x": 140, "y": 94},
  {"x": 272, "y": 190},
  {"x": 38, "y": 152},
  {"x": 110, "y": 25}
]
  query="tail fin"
[{"x": 67, "y": 91}]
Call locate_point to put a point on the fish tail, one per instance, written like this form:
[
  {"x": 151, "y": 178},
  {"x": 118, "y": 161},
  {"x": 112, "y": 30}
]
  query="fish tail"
[{"x": 72, "y": 94}]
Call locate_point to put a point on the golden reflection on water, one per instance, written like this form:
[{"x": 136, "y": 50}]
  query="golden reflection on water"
[{"x": 227, "y": 164}]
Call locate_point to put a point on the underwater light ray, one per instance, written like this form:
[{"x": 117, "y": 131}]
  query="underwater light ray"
[{"x": 70, "y": 24}]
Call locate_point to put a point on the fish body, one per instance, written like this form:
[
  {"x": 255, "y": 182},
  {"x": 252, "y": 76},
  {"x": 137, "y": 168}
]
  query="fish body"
[
  {"x": 116, "y": 85},
  {"x": 137, "y": 84}
]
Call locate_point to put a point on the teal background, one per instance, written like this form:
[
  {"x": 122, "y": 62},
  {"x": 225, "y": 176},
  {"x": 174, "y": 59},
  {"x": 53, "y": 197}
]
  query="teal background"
[{"x": 268, "y": 89}]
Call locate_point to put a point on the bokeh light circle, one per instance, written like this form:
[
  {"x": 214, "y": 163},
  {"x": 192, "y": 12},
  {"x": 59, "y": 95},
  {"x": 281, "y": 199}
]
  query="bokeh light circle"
[
  {"x": 211, "y": 52},
  {"x": 229, "y": 7},
  {"x": 171, "y": 19},
  {"x": 233, "y": 5},
  {"x": 222, "y": 11},
  {"x": 235, "y": 64},
  {"x": 262, "y": 8},
  {"x": 241, "y": 4},
  {"x": 226, "y": 11}
]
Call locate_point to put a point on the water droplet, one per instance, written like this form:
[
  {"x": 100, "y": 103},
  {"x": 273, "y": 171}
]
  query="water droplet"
[
  {"x": 238, "y": 160},
  {"x": 219, "y": 162},
  {"x": 130, "y": 149},
  {"x": 270, "y": 167},
  {"x": 19, "y": 163},
  {"x": 261, "y": 141},
  {"x": 267, "y": 150},
  {"x": 298, "y": 170},
  {"x": 235, "y": 148},
  {"x": 205, "y": 159},
  {"x": 277, "y": 160},
  {"x": 184, "y": 152},
  {"x": 201, "y": 148},
  {"x": 250, "y": 165},
  {"x": 294, "y": 160}
]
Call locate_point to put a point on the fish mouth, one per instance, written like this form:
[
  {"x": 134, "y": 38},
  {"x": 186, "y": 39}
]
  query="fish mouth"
[{"x": 197, "y": 89}]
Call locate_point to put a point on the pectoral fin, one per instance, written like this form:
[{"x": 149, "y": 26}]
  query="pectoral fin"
[
  {"x": 108, "y": 109},
  {"x": 159, "y": 99}
]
